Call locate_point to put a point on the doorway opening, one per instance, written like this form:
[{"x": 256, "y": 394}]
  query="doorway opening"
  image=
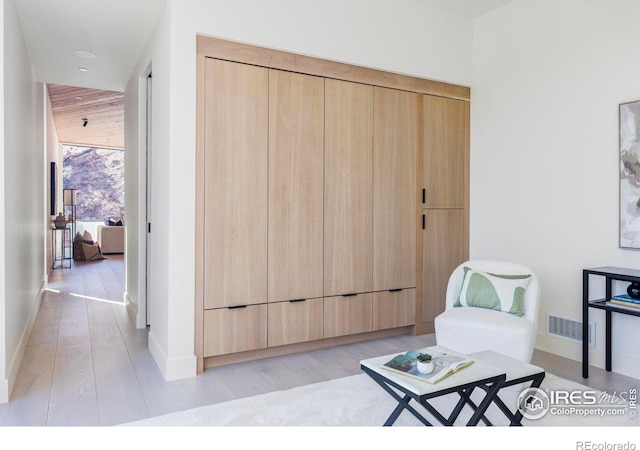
[{"x": 89, "y": 127}]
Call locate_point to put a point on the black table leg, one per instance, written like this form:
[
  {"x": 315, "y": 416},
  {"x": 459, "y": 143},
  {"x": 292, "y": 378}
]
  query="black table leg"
[
  {"x": 585, "y": 324},
  {"x": 515, "y": 419}
]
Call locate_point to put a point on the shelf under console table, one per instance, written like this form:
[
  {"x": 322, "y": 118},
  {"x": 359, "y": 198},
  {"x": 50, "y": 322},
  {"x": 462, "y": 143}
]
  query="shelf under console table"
[{"x": 610, "y": 274}]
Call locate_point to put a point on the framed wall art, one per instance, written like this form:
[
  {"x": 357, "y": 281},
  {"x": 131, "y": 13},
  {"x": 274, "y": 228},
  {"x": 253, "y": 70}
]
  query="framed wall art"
[{"x": 630, "y": 175}]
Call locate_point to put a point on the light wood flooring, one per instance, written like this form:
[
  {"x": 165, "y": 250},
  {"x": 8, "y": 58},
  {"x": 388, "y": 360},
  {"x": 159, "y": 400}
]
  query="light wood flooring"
[{"x": 86, "y": 365}]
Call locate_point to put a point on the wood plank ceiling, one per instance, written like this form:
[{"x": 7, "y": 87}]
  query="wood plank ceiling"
[{"x": 103, "y": 111}]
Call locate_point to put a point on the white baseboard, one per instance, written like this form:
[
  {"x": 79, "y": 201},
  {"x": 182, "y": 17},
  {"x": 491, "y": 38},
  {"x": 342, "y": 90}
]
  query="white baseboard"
[
  {"x": 6, "y": 385},
  {"x": 132, "y": 311},
  {"x": 4, "y": 391},
  {"x": 621, "y": 363},
  {"x": 175, "y": 368}
]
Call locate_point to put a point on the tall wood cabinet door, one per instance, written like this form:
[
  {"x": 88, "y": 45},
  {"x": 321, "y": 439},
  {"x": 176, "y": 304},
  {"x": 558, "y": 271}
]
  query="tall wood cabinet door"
[
  {"x": 443, "y": 250},
  {"x": 394, "y": 189},
  {"x": 348, "y": 198},
  {"x": 296, "y": 152},
  {"x": 235, "y": 173},
  {"x": 444, "y": 137}
]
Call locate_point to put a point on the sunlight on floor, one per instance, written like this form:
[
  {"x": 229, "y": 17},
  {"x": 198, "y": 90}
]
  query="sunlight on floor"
[{"x": 87, "y": 297}]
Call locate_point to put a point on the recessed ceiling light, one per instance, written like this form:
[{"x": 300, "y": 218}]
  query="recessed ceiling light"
[
  {"x": 84, "y": 54},
  {"x": 83, "y": 69}
]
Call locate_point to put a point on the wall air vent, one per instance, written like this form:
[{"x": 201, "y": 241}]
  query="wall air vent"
[{"x": 570, "y": 329}]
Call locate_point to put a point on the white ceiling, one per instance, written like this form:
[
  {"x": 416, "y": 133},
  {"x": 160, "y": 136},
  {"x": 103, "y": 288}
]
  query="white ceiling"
[{"x": 117, "y": 31}]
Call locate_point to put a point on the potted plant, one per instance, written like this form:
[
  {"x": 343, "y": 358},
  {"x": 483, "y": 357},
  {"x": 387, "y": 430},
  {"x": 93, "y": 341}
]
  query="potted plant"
[{"x": 425, "y": 363}]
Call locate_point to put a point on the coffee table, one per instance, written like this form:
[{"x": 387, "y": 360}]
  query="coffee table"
[{"x": 490, "y": 372}]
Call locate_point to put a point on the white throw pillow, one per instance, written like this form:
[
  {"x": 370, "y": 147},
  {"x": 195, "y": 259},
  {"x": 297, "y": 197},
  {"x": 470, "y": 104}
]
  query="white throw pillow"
[
  {"x": 493, "y": 291},
  {"x": 86, "y": 236}
]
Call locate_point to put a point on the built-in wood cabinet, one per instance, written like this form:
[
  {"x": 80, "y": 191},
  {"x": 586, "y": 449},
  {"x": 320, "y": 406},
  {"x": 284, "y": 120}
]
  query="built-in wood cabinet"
[
  {"x": 295, "y": 206},
  {"x": 348, "y": 194},
  {"x": 312, "y": 178},
  {"x": 445, "y": 187},
  {"x": 235, "y": 184}
]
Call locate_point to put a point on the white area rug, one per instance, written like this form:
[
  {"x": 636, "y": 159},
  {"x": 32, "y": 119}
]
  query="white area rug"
[{"x": 358, "y": 401}]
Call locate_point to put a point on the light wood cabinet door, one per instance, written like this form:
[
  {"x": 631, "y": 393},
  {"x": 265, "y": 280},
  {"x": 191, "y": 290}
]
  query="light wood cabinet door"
[
  {"x": 345, "y": 315},
  {"x": 295, "y": 321},
  {"x": 296, "y": 152},
  {"x": 232, "y": 330},
  {"x": 394, "y": 189},
  {"x": 348, "y": 197},
  {"x": 444, "y": 137},
  {"x": 235, "y": 184},
  {"x": 443, "y": 250},
  {"x": 392, "y": 309}
]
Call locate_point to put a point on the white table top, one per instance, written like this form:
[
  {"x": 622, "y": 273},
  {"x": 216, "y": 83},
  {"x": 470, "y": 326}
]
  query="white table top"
[
  {"x": 479, "y": 370},
  {"x": 512, "y": 367}
]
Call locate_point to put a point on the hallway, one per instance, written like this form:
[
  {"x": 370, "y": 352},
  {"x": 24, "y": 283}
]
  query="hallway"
[{"x": 83, "y": 355}]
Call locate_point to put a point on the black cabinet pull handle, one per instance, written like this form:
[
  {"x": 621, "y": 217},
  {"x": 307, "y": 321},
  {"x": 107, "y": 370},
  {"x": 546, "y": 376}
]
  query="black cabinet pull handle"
[
  {"x": 424, "y": 196},
  {"x": 237, "y": 307},
  {"x": 297, "y": 300},
  {"x": 349, "y": 295},
  {"x": 423, "y": 221},
  {"x": 395, "y": 290}
]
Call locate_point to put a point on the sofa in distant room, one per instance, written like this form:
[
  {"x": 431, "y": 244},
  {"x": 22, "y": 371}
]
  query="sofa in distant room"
[{"x": 111, "y": 238}]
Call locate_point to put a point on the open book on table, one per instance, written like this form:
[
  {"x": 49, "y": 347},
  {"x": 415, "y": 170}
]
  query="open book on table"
[{"x": 443, "y": 365}]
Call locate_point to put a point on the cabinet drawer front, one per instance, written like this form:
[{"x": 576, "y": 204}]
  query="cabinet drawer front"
[
  {"x": 231, "y": 330},
  {"x": 295, "y": 321},
  {"x": 347, "y": 315},
  {"x": 393, "y": 309}
]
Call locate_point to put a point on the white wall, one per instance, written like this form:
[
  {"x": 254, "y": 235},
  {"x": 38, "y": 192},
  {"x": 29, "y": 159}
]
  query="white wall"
[
  {"x": 22, "y": 248},
  {"x": 4, "y": 378},
  {"x": 398, "y": 36},
  {"x": 168, "y": 343},
  {"x": 134, "y": 206},
  {"x": 548, "y": 77},
  {"x": 52, "y": 154}
]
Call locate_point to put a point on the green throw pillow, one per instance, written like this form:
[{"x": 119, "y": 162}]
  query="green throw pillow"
[{"x": 493, "y": 291}]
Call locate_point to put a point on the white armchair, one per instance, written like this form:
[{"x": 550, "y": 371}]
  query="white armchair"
[
  {"x": 111, "y": 238},
  {"x": 470, "y": 329}
]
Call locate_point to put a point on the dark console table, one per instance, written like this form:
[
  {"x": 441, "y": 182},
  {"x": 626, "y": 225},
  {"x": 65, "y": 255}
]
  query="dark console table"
[{"x": 610, "y": 274}]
